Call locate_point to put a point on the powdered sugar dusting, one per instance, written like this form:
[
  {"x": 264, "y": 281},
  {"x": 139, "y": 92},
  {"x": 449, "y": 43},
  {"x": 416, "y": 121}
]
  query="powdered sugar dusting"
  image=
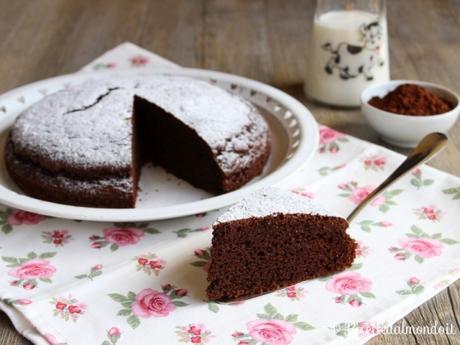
[
  {"x": 230, "y": 125},
  {"x": 269, "y": 201},
  {"x": 212, "y": 112},
  {"x": 89, "y": 125}
]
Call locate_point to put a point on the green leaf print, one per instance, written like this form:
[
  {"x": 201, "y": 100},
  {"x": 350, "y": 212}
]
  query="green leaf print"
[
  {"x": 152, "y": 231},
  {"x": 304, "y": 326},
  {"x": 124, "y": 312},
  {"x": 47, "y": 255},
  {"x": 117, "y": 297},
  {"x": 292, "y": 317},
  {"x": 213, "y": 307},
  {"x": 419, "y": 259},
  {"x": 448, "y": 241},
  {"x": 270, "y": 309},
  {"x": 133, "y": 321},
  {"x": 455, "y": 192}
]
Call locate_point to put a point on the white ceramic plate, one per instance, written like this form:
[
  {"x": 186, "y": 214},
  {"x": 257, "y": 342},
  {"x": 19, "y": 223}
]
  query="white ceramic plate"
[{"x": 162, "y": 196}]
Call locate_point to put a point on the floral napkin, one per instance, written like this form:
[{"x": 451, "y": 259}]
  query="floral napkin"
[{"x": 71, "y": 282}]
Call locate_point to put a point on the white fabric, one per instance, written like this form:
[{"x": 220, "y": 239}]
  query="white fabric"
[{"x": 53, "y": 269}]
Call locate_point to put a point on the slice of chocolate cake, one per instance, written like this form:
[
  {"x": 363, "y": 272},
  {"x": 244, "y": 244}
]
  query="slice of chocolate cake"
[{"x": 274, "y": 239}]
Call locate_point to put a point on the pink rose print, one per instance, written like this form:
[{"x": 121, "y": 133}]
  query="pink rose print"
[
  {"x": 374, "y": 162},
  {"x": 30, "y": 270},
  {"x": 329, "y": 140},
  {"x": 418, "y": 181},
  {"x": 68, "y": 308},
  {"x": 293, "y": 292},
  {"x": 57, "y": 237},
  {"x": 357, "y": 194},
  {"x": 37, "y": 268},
  {"x": 351, "y": 286},
  {"x": 429, "y": 213},
  {"x": 139, "y": 60},
  {"x": 414, "y": 287},
  {"x": 426, "y": 248},
  {"x": 28, "y": 285},
  {"x": 125, "y": 234},
  {"x": 11, "y": 217},
  {"x": 193, "y": 334},
  {"x": 271, "y": 332},
  {"x": 204, "y": 257},
  {"x": 19, "y": 217},
  {"x": 328, "y": 135},
  {"x": 19, "y": 301},
  {"x": 149, "y": 303},
  {"x": 113, "y": 335},
  {"x": 94, "y": 272},
  {"x": 380, "y": 161},
  {"x": 268, "y": 330},
  {"x": 420, "y": 245},
  {"x": 23, "y": 301},
  {"x": 347, "y": 283},
  {"x": 355, "y": 303},
  {"x": 114, "y": 331},
  {"x": 149, "y": 263},
  {"x": 413, "y": 281}
]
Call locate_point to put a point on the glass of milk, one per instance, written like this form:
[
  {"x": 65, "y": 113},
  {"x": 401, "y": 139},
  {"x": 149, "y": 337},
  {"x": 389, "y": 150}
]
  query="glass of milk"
[{"x": 348, "y": 50}]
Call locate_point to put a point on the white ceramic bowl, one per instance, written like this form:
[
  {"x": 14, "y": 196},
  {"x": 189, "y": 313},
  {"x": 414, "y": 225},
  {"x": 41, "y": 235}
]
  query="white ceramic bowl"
[{"x": 405, "y": 130}]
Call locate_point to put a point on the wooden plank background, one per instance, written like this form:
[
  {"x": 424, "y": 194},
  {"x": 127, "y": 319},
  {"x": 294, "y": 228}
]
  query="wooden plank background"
[{"x": 261, "y": 39}]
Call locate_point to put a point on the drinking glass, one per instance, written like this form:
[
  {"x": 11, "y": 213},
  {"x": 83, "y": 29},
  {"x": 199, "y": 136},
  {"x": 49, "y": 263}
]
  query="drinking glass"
[{"x": 348, "y": 50}]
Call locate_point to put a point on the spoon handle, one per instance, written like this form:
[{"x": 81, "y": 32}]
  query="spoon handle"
[{"x": 429, "y": 146}]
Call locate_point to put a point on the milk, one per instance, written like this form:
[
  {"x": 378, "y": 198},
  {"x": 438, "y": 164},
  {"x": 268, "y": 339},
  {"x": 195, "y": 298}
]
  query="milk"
[{"x": 348, "y": 52}]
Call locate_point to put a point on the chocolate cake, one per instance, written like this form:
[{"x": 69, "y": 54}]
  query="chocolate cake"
[
  {"x": 273, "y": 239},
  {"x": 85, "y": 145}
]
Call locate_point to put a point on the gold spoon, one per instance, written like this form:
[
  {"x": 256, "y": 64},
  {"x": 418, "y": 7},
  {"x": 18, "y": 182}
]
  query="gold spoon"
[{"x": 428, "y": 147}]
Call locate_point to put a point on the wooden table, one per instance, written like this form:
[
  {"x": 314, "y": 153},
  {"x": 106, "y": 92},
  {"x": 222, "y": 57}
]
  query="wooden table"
[{"x": 264, "y": 40}]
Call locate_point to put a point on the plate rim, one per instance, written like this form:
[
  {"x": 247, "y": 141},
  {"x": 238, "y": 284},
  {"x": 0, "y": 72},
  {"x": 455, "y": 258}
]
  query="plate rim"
[{"x": 309, "y": 141}]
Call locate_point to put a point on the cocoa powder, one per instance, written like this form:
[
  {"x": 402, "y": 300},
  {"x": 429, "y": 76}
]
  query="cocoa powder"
[{"x": 411, "y": 99}]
